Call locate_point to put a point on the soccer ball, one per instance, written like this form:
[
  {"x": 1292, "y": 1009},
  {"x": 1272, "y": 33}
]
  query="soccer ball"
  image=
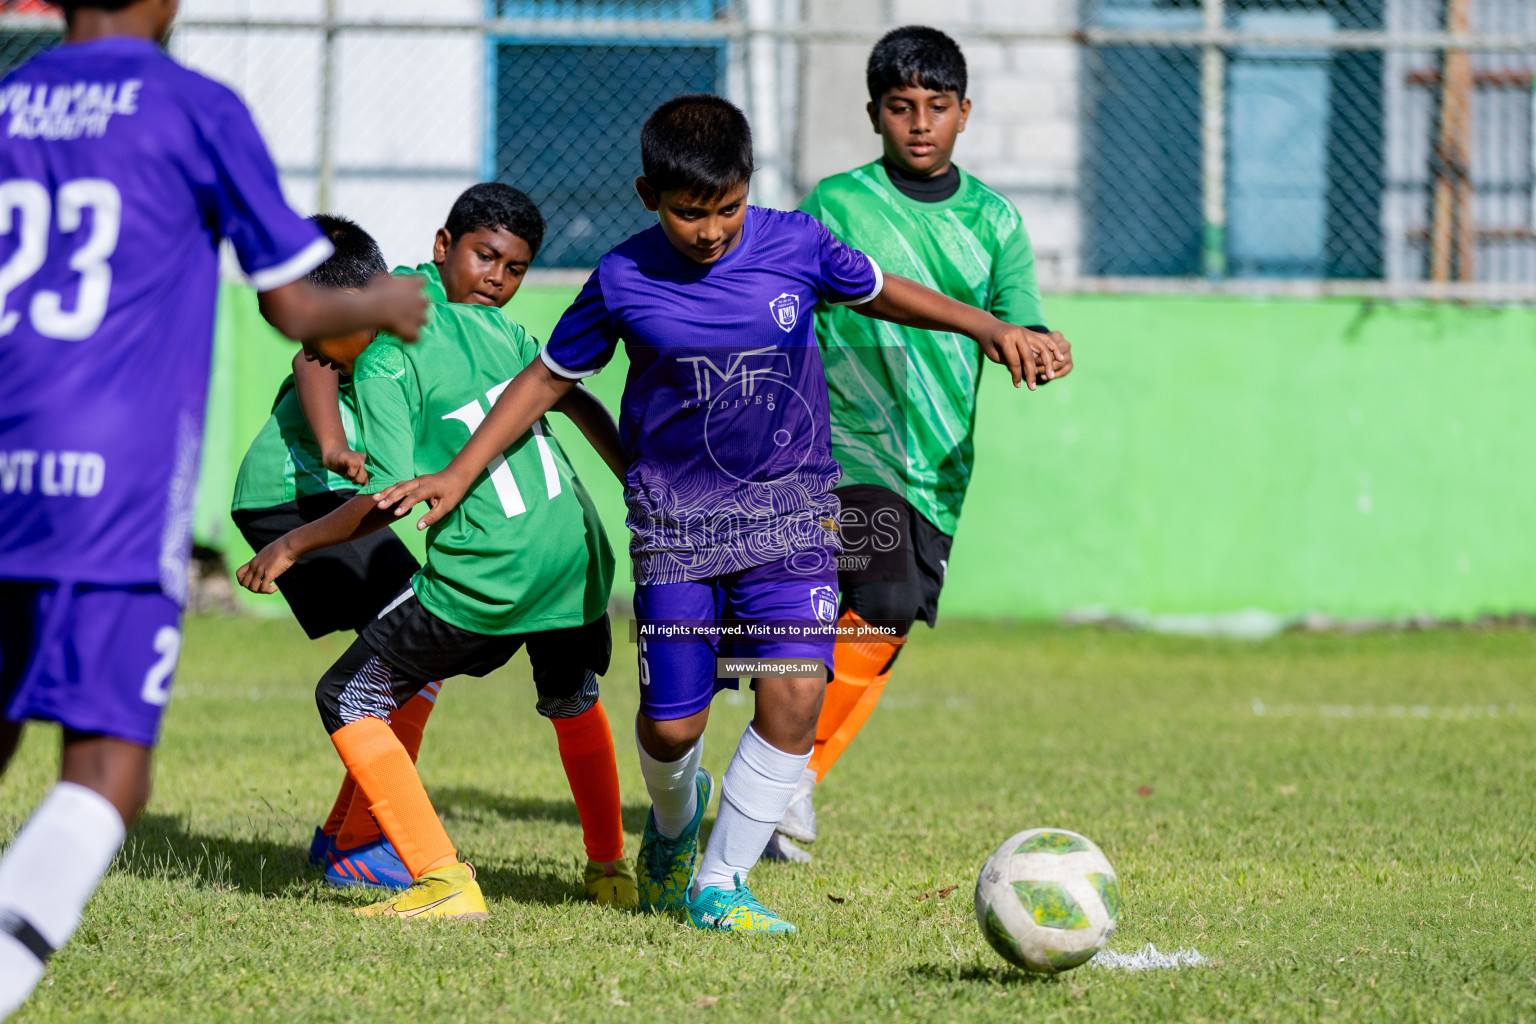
[{"x": 1047, "y": 900}]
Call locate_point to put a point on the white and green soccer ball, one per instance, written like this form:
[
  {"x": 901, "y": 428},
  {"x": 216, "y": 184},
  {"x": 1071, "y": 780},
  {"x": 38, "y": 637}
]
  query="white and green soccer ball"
[{"x": 1047, "y": 900}]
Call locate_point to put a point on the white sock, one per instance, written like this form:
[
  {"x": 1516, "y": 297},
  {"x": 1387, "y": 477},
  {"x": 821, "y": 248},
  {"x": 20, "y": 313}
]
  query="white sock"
[
  {"x": 50, "y": 870},
  {"x": 804, "y": 786},
  {"x": 753, "y": 796},
  {"x": 674, "y": 797}
]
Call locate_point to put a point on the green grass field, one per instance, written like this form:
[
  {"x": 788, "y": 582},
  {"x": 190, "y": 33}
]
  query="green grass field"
[{"x": 1343, "y": 825}]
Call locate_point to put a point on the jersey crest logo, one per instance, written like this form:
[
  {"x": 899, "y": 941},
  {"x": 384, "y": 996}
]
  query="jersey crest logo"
[
  {"x": 824, "y": 605},
  {"x": 786, "y": 311}
]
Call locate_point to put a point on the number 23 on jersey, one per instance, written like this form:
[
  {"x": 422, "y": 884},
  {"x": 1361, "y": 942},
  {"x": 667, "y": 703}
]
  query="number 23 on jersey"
[{"x": 27, "y": 212}]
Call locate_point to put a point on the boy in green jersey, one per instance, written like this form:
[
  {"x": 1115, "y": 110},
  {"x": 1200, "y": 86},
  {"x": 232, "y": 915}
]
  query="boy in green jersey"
[
  {"x": 302, "y": 465},
  {"x": 498, "y": 577},
  {"x": 903, "y": 400},
  {"x": 482, "y": 251}
]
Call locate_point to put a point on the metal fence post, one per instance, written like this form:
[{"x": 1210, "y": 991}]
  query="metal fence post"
[
  {"x": 1451, "y": 229},
  {"x": 1213, "y": 145},
  {"x": 765, "y": 102},
  {"x": 325, "y": 189},
  {"x": 1398, "y": 143}
]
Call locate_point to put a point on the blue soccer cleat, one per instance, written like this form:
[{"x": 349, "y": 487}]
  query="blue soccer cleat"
[
  {"x": 665, "y": 866},
  {"x": 734, "y": 910},
  {"x": 373, "y": 865},
  {"x": 319, "y": 847}
]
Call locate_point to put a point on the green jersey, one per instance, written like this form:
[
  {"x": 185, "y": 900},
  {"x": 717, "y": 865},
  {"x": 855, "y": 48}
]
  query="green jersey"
[
  {"x": 525, "y": 550},
  {"x": 434, "y": 280},
  {"x": 283, "y": 463},
  {"x": 903, "y": 401}
]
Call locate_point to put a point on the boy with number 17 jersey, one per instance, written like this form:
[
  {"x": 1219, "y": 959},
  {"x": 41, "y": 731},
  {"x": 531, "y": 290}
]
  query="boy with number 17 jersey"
[{"x": 523, "y": 562}]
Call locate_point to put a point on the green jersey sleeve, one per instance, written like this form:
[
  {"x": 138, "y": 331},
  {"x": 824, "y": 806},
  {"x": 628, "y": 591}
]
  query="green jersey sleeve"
[
  {"x": 524, "y": 344},
  {"x": 1015, "y": 288},
  {"x": 382, "y": 382}
]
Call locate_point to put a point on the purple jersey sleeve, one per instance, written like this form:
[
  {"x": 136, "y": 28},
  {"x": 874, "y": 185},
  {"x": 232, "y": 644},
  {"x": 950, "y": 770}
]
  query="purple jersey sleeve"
[
  {"x": 585, "y": 338},
  {"x": 274, "y": 244},
  {"x": 846, "y": 277}
]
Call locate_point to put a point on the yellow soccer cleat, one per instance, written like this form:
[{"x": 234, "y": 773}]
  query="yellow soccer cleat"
[
  {"x": 613, "y": 884},
  {"x": 449, "y": 892}
]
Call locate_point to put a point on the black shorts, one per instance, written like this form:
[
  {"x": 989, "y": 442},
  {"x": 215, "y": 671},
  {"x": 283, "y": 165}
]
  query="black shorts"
[
  {"x": 407, "y": 647},
  {"x": 894, "y": 560},
  {"x": 341, "y": 587}
]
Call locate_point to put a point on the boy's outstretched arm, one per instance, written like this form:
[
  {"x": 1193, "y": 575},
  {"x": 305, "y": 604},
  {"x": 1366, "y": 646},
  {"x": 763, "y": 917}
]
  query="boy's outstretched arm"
[
  {"x": 1025, "y": 353},
  {"x": 357, "y": 518},
  {"x": 532, "y": 393},
  {"x": 319, "y": 391},
  {"x": 305, "y": 313},
  {"x": 597, "y": 424}
]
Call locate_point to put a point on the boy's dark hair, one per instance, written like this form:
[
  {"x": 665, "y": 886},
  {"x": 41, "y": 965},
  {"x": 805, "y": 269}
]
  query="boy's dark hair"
[
  {"x": 71, "y": 6},
  {"x": 699, "y": 143},
  {"x": 357, "y": 259},
  {"x": 915, "y": 55},
  {"x": 493, "y": 205}
]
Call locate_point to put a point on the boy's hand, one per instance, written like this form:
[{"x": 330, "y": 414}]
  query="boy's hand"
[
  {"x": 348, "y": 463},
  {"x": 260, "y": 574},
  {"x": 1062, "y": 366},
  {"x": 401, "y": 304},
  {"x": 1026, "y": 354},
  {"x": 441, "y": 491}
]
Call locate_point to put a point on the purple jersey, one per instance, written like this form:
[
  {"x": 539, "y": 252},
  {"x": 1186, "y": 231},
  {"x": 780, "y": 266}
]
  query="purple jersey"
[
  {"x": 724, "y": 416},
  {"x": 120, "y": 174}
]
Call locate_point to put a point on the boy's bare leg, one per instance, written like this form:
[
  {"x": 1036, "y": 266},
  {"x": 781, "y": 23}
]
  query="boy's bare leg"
[
  {"x": 669, "y": 739},
  {"x": 114, "y": 769},
  {"x": 787, "y": 710}
]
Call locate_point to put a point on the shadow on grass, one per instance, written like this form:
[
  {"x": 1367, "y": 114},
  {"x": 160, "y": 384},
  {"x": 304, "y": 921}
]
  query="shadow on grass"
[
  {"x": 530, "y": 884},
  {"x": 473, "y": 800},
  {"x": 161, "y": 846},
  {"x": 952, "y": 974}
]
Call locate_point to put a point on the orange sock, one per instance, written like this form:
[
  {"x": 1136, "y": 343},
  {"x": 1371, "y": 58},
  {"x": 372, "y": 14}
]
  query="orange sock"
[
  {"x": 859, "y": 674},
  {"x": 586, "y": 750},
  {"x": 385, "y": 775},
  {"x": 339, "y": 808},
  {"x": 407, "y": 722}
]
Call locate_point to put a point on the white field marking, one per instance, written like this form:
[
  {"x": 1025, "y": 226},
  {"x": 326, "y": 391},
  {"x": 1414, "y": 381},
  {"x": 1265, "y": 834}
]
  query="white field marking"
[
  {"x": 1149, "y": 959},
  {"x": 1462, "y": 713}
]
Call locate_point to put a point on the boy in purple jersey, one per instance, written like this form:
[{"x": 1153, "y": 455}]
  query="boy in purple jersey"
[
  {"x": 120, "y": 174},
  {"x": 725, "y": 425}
]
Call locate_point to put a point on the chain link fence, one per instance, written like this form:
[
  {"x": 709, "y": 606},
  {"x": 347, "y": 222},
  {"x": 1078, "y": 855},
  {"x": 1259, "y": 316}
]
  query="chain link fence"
[
  {"x": 1340, "y": 139},
  {"x": 1375, "y": 146}
]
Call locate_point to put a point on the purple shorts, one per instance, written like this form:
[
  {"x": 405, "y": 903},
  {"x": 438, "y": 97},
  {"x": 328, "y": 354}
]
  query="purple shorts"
[
  {"x": 95, "y": 659},
  {"x": 683, "y": 628}
]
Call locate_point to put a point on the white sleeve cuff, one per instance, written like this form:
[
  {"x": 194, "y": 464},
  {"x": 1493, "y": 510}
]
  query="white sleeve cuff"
[
  {"x": 559, "y": 370},
  {"x": 294, "y": 267},
  {"x": 879, "y": 286}
]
